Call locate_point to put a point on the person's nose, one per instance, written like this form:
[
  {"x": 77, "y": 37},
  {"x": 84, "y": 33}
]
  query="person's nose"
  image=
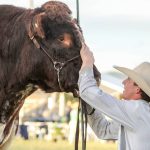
[{"x": 124, "y": 81}]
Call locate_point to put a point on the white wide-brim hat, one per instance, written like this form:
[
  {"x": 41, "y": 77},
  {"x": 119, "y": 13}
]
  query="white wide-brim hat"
[{"x": 140, "y": 75}]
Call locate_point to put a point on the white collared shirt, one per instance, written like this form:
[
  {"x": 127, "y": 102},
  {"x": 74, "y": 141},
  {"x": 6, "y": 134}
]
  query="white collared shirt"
[{"x": 131, "y": 118}]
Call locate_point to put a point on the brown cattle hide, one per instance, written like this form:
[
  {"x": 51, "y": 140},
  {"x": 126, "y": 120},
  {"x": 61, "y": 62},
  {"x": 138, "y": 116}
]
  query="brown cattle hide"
[{"x": 32, "y": 41}]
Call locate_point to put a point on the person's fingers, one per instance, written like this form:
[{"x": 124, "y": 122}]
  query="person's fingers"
[
  {"x": 84, "y": 47},
  {"x": 86, "y": 54}
]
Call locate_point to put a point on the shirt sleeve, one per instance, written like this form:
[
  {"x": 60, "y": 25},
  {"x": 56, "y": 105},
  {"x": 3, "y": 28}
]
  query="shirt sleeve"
[
  {"x": 103, "y": 102},
  {"x": 103, "y": 128}
]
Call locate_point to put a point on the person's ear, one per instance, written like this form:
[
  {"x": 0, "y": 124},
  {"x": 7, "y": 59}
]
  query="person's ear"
[{"x": 138, "y": 90}]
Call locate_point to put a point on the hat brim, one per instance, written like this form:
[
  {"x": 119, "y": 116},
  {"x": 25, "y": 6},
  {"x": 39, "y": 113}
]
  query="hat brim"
[{"x": 136, "y": 78}]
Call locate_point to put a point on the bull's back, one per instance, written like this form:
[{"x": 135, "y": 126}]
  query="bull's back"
[
  {"x": 7, "y": 12},
  {"x": 8, "y": 18}
]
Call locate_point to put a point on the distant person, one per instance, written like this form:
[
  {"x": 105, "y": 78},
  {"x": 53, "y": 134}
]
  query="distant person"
[
  {"x": 24, "y": 131},
  {"x": 131, "y": 116}
]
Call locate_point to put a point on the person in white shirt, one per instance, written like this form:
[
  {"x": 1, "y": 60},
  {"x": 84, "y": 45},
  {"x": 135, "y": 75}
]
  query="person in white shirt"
[{"x": 130, "y": 122}]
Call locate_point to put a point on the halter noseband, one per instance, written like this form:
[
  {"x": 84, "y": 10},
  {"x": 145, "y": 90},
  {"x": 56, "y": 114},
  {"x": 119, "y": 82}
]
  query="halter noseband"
[{"x": 57, "y": 65}]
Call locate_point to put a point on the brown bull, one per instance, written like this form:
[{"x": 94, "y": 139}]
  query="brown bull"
[{"x": 39, "y": 48}]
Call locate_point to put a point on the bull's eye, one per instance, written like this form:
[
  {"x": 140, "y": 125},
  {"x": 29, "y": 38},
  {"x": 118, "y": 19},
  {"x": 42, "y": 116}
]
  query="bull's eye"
[
  {"x": 65, "y": 39},
  {"x": 61, "y": 38}
]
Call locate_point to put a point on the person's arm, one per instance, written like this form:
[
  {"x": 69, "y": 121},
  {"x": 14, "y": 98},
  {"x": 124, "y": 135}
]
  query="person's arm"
[
  {"x": 118, "y": 110},
  {"x": 105, "y": 103},
  {"x": 103, "y": 128}
]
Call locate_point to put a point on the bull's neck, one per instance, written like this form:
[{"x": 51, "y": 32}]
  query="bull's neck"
[{"x": 11, "y": 99}]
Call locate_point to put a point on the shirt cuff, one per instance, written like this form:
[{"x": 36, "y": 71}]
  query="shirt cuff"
[{"x": 90, "y": 110}]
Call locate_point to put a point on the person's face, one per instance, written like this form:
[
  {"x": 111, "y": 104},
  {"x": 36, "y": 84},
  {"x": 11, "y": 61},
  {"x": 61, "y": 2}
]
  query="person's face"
[{"x": 130, "y": 89}]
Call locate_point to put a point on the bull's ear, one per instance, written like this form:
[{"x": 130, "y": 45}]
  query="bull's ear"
[{"x": 37, "y": 25}]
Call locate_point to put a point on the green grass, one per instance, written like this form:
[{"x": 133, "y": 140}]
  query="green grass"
[{"x": 19, "y": 144}]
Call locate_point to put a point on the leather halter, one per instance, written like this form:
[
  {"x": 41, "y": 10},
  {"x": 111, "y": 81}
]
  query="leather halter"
[{"x": 58, "y": 66}]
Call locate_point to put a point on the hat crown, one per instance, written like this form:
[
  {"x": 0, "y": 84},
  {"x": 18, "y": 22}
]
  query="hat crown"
[{"x": 143, "y": 70}]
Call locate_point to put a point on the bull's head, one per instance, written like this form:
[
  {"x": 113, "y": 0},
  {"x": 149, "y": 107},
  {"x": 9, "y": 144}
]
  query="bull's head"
[{"x": 57, "y": 43}]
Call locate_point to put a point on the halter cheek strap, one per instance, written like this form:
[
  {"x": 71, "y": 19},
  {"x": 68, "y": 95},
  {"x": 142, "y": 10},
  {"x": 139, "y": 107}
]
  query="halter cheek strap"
[{"x": 58, "y": 66}]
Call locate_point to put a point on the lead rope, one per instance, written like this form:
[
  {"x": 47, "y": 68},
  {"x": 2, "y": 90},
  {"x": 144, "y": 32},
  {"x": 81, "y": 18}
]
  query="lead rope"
[
  {"x": 77, "y": 127},
  {"x": 83, "y": 113},
  {"x": 83, "y": 124}
]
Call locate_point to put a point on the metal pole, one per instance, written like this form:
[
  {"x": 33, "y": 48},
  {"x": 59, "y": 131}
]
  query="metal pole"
[
  {"x": 77, "y": 8},
  {"x": 31, "y": 4}
]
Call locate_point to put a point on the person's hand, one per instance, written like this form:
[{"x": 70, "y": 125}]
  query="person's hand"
[{"x": 86, "y": 56}]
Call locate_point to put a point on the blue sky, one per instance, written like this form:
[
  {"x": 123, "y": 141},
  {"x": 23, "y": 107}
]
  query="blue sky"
[{"x": 117, "y": 31}]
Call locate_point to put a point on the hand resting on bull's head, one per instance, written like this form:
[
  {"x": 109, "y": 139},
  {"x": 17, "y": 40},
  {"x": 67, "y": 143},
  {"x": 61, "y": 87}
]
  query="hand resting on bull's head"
[{"x": 60, "y": 36}]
